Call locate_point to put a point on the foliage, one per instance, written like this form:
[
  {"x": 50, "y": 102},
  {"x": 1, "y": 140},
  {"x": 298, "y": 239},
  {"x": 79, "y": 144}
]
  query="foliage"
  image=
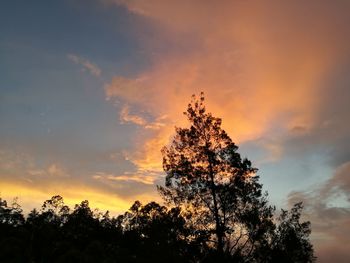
[
  {"x": 209, "y": 179},
  {"x": 54, "y": 234}
]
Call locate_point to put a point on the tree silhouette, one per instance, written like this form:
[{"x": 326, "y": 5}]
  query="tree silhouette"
[
  {"x": 209, "y": 179},
  {"x": 160, "y": 231},
  {"x": 290, "y": 241}
]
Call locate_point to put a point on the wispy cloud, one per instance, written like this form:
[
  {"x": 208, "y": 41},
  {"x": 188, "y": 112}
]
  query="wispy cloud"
[
  {"x": 86, "y": 64},
  {"x": 148, "y": 178},
  {"x": 53, "y": 170},
  {"x": 19, "y": 163},
  {"x": 127, "y": 117}
]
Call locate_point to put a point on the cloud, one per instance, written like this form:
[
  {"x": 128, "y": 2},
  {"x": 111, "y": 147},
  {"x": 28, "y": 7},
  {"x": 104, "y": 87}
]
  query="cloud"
[
  {"x": 126, "y": 117},
  {"x": 10, "y": 160},
  {"x": 130, "y": 89},
  {"x": 86, "y": 64},
  {"x": 339, "y": 183},
  {"x": 24, "y": 166},
  {"x": 53, "y": 170},
  {"x": 328, "y": 209},
  {"x": 148, "y": 178},
  {"x": 56, "y": 170}
]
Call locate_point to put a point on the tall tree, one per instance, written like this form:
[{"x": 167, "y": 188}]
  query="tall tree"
[{"x": 220, "y": 189}]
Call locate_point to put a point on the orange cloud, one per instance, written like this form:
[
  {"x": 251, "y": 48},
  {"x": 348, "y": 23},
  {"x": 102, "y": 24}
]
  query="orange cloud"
[
  {"x": 261, "y": 65},
  {"x": 126, "y": 117}
]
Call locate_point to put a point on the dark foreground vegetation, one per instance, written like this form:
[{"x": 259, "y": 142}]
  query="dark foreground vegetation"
[{"x": 215, "y": 212}]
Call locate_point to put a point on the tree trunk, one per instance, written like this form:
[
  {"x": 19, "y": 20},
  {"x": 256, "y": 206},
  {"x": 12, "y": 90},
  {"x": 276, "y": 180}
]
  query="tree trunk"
[{"x": 218, "y": 227}]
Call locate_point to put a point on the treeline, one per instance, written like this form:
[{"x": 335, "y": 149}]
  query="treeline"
[
  {"x": 145, "y": 233},
  {"x": 54, "y": 233}
]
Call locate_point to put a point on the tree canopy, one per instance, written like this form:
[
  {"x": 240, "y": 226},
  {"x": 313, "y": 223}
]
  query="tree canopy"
[{"x": 207, "y": 177}]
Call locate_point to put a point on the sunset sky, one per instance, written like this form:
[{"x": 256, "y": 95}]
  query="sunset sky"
[{"x": 91, "y": 90}]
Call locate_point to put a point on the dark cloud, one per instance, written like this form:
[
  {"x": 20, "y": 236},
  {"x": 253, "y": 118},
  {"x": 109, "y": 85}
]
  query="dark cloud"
[{"x": 328, "y": 209}]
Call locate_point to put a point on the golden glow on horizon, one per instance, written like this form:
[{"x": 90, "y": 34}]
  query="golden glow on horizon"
[{"x": 30, "y": 196}]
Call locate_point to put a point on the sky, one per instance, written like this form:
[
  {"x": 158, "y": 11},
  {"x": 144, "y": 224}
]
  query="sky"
[{"x": 91, "y": 90}]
